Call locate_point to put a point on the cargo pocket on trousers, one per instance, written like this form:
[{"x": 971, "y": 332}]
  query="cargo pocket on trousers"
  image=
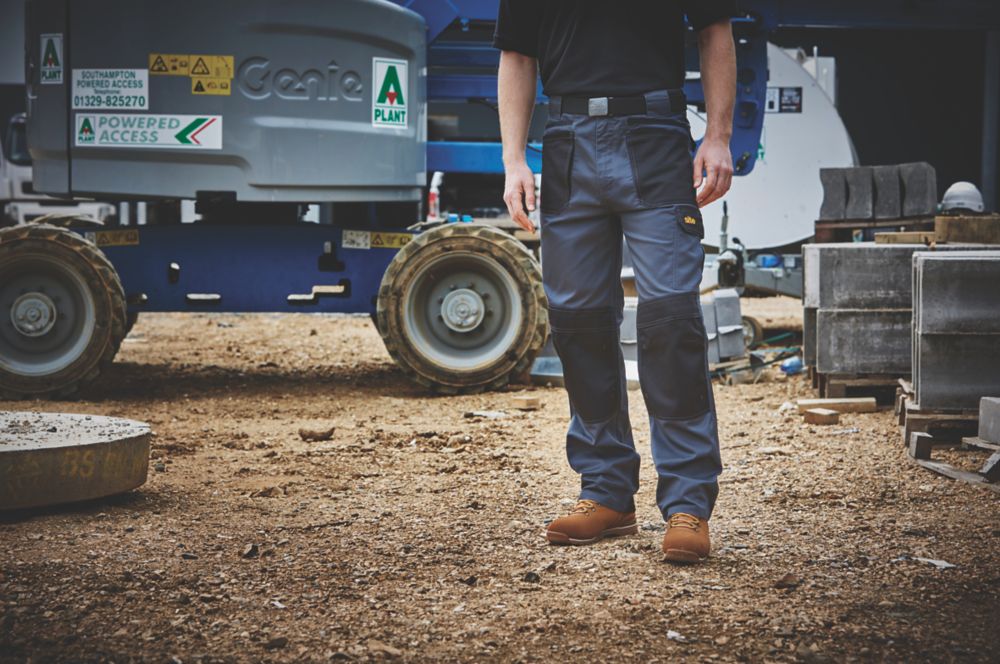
[
  {"x": 557, "y": 166},
  {"x": 661, "y": 165},
  {"x": 587, "y": 343},
  {"x": 690, "y": 220},
  {"x": 672, "y": 348}
]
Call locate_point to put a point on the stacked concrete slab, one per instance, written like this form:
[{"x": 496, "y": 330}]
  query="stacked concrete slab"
[
  {"x": 956, "y": 328},
  {"x": 878, "y": 192},
  {"x": 858, "y": 300}
]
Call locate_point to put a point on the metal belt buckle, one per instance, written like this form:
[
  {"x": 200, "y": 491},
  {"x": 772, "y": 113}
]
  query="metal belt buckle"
[{"x": 597, "y": 106}]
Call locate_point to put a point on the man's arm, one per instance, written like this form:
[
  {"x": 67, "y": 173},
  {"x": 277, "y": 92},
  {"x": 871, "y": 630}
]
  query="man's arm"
[
  {"x": 516, "y": 83},
  {"x": 718, "y": 79}
]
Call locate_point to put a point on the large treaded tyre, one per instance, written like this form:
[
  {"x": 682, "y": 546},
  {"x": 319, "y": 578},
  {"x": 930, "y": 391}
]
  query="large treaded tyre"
[
  {"x": 461, "y": 309},
  {"x": 62, "y": 312}
]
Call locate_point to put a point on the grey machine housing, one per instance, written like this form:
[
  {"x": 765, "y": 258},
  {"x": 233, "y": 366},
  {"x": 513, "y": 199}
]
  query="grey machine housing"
[{"x": 297, "y": 123}]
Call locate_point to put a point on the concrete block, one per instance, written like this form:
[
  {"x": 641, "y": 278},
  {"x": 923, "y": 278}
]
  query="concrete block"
[
  {"x": 921, "y": 444},
  {"x": 731, "y": 342},
  {"x": 954, "y": 372},
  {"x": 713, "y": 350},
  {"x": 957, "y": 293},
  {"x": 708, "y": 313},
  {"x": 54, "y": 458},
  {"x": 860, "y": 192},
  {"x": 727, "y": 308},
  {"x": 876, "y": 341},
  {"x": 834, "y": 193},
  {"x": 811, "y": 274},
  {"x": 920, "y": 195},
  {"x": 809, "y": 336},
  {"x": 628, "y": 331},
  {"x": 989, "y": 419},
  {"x": 864, "y": 275},
  {"x": 888, "y": 192}
]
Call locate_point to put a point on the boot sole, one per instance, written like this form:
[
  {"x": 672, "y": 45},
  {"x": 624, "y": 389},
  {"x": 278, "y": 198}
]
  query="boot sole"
[
  {"x": 682, "y": 556},
  {"x": 561, "y": 538}
]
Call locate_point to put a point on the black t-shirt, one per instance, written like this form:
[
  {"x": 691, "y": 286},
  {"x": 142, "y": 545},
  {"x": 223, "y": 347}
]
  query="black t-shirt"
[{"x": 598, "y": 48}]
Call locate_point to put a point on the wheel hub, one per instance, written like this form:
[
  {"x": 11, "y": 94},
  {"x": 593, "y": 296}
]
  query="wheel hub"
[
  {"x": 463, "y": 310},
  {"x": 33, "y": 314}
]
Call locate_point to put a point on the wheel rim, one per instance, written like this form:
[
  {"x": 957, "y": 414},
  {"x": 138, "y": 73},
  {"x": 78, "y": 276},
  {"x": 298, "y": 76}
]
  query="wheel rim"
[
  {"x": 749, "y": 333},
  {"x": 463, "y": 311},
  {"x": 48, "y": 317}
]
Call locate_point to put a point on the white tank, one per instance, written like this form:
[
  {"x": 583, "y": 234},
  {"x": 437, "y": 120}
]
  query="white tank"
[{"x": 778, "y": 203}]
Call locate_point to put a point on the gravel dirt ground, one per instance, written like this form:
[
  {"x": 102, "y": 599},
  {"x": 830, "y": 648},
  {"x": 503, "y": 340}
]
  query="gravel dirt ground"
[{"x": 415, "y": 531}]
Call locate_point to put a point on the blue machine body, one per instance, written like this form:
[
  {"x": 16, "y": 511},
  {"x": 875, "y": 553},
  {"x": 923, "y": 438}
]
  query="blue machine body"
[
  {"x": 257, "y": 268},
  {"x": 208, "y": 267}
]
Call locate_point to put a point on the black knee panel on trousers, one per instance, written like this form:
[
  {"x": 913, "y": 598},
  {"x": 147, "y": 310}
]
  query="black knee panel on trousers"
[
  {"x": 672, "y": 350},
  {"x": 587, "y": 343}
]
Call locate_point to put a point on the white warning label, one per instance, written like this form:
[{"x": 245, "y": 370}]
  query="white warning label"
[
  {"x": 121, "y": 89},
  {"x": 356, "y": 239}
]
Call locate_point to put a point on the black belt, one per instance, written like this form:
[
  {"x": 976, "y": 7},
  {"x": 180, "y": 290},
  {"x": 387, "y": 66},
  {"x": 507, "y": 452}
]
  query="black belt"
[{"x": 601, "y": 106}]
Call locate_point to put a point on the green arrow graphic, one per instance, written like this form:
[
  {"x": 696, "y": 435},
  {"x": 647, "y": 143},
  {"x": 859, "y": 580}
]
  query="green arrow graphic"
[{"x": 184, "y": 135}]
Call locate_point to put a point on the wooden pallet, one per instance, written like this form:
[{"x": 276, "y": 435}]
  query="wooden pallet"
[
  {"x": 838, "y": 386},
  {"x": 948, "y": 470},
  {"x": 843, "y": 230},
  {"x": 943, "y": 426},
  {"x": 975, "y": 228},
  {"x": 980, "y": 444},
  {"x": 921, "y": 447},
  {"x": 907, "y": 237}
]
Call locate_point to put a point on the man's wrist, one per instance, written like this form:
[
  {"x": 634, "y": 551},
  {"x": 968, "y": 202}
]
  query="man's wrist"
[
  {"x": 511, "y": 161},
  {"x": 717, "y": 136}
]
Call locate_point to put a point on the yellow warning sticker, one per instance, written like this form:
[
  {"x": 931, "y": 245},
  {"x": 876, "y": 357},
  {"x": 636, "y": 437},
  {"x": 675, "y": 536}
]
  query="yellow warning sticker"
[
  {"x": 166, "y": 64},
  {"x": 390, "y": 240},
  {"x": 122, "y": 238},
  {"x": 210, "y": 74},
  {"x": 214, "y": 66},
  {"x": 203, "y": 85}
]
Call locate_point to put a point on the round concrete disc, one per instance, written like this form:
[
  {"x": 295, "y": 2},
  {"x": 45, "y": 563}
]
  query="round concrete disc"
[{"x": 51, "y": 458}]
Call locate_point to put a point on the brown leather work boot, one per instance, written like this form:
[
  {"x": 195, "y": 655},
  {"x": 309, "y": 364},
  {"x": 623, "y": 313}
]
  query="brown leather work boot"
[
  {"x": 686, "y": 539},
  {"x": 590, "y": 522}
]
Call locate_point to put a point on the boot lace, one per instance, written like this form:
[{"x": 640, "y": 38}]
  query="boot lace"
[
  {"x": 584, "y": 507},
  {"x": 681, "y": 520}
]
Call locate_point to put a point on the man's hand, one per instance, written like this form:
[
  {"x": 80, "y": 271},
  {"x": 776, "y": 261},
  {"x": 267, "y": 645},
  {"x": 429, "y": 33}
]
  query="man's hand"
[
  {"x": 519, "y": 194},
  {"x": 716, "y": 162},
  {"x": 718, "y": 80},
  {"x": 516, "y": 96}
]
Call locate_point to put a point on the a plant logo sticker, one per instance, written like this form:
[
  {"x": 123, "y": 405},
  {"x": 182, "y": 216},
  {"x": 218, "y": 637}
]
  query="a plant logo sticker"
[
  {"x": 389, "y": 100},
  {"x": 52, "y": 59},
  {"x": 85, "y": 134}
]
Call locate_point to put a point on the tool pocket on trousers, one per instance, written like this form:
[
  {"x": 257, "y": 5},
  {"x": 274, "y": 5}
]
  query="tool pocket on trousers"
[
  {"x": 661, "y": 165},
  {"x": 690, "y": 220},
  {"x": 557, "y": 166},
  {"x": 587, "y": 343},
  {"x": 672, "y": 349}
]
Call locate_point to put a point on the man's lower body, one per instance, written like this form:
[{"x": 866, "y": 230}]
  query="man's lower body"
[{"x": 606, "y": 177}]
